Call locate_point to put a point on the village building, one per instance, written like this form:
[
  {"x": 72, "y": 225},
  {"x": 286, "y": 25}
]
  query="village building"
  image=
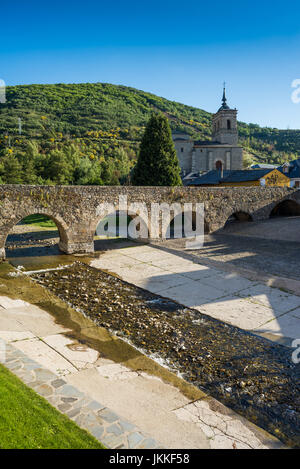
[
  {"x": 222, "y": 152},
  {"x": 250, "y": 177},
  {"x": 292, "y": 170}
]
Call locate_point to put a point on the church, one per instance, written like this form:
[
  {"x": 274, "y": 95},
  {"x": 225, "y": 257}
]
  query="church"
[{"x": 222, "y": 152}]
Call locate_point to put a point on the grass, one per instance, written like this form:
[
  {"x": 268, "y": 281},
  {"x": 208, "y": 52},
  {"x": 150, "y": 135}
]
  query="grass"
[
  {"x": 39, "y": 220},
  {"x": 45, "y": 222},
  {"x": 27, "y": 421}
]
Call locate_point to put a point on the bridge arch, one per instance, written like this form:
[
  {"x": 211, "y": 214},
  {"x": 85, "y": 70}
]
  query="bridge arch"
[
  {"x": 238, "y": 216},
  {"x": 183, "y": 218},
  {"x": 234, "y": 213},
  {"x": 286, "y": 208},
  {"x": 57, "y": 219},
  {"x": 119, "y": 222}
]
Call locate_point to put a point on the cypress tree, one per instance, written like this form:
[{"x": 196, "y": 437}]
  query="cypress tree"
[{"x": 157, "y": 163}]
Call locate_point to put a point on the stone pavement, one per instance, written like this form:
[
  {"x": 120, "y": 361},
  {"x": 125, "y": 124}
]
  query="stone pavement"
[
  {"x": 277, "y": 228},
  {"x": 107, "y": 427},
  {"x": 227, "y": 296},
  {"x": 94, "y": 391},
  {"x": 269, "y": 247}
]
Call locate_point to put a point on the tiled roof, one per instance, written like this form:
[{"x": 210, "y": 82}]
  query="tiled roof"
[
  {"x": 214, "y": 176},
  {"x": 294, "y": 169},
  {"x": 245, "y": 175}
]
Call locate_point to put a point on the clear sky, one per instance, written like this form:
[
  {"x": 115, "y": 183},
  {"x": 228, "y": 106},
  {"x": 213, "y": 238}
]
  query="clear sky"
[{"x": 181, "y": 50}]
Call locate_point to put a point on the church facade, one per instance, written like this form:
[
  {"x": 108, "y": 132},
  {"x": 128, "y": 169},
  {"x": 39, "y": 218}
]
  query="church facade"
[{"x": 222, "y": 152}]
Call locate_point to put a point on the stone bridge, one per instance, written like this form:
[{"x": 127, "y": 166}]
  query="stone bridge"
[{"x": 77, "y": 210}]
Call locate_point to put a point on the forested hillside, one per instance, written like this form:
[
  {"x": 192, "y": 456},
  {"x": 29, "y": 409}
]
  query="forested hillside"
[{"x": 90, "y": 133}]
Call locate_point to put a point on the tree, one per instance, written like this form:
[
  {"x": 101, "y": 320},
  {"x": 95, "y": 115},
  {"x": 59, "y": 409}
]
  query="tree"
[
  {"x": 88, "y": 173},
  {"x": 157, "y": 163},
  {"x": 11, "y": 170},
  {"x": 59, "y": 168}
]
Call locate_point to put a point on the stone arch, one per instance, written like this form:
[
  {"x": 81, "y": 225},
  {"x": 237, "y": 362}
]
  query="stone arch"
[
  {"x": 57, "y": 219},
  {"x": 238, "y": 217},
  {"x": 286, "y": 208},
  {"x": 119, "y": 213},
  {"x": 191, "y": 216},
  {"x": 235, "y": 215}
]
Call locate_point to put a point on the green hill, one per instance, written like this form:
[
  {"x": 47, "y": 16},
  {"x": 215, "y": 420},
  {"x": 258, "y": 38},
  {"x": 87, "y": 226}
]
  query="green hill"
[{"x": 99, "y": 126}]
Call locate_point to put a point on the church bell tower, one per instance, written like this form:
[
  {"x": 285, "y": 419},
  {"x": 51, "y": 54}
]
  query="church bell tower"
[{"x": 224, "y": 123}]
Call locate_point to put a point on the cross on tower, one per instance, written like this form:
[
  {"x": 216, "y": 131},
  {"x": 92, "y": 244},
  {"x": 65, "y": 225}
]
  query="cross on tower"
[{"x": 224, "y": 100}]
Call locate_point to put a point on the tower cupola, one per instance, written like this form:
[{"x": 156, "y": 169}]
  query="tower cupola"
[{"x": 225, "y": 123}]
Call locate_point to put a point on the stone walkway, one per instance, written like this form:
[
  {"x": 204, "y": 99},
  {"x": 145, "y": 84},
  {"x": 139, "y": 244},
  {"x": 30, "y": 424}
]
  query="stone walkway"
[
  {"x": 224, "y": 295},
  {"x": 94, "y": 391},
  {"x": 106, "y": 426},
  {"x": 269, "y": 247}
]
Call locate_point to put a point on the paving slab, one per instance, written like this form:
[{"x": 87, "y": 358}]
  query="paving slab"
[
  {"x": 201, "y": 273},
  {"x": 238, "y": 311},
  {"x": 296, "y": 313},
  {"x": 148, "y": 256},
  {"x": 159, "y": 282},
  {"x": 126, "y": 274},
  {"x": 9, "y": 323},
  {"x": 46, "y": 356},
  {"x": 183, "y": 267},
  {"x": 222, "y": 427},
  {"x": 14, "y": 336},
  {"x": 116, "y": 371},
  {"x": 278, "y": 300},
  {"x": 229, "y": 283},
  {"x": 145, "y": 270},
  {"x": 80, "y": 355},
  {"x": 192, "y": 294},
  {"x": 117, "y": 262},
  {"x": 286, "y": 325},
  {"x": 135, "y": 249},
  {"x": 33, "y": 319}
]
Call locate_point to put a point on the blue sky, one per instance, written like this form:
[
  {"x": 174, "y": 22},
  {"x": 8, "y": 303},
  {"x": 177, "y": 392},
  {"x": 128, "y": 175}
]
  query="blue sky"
[{"x": 180, "y": 50}]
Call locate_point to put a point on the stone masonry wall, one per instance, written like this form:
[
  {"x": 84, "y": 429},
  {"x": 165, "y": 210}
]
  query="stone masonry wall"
[{"x": 77, "y": 210}]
